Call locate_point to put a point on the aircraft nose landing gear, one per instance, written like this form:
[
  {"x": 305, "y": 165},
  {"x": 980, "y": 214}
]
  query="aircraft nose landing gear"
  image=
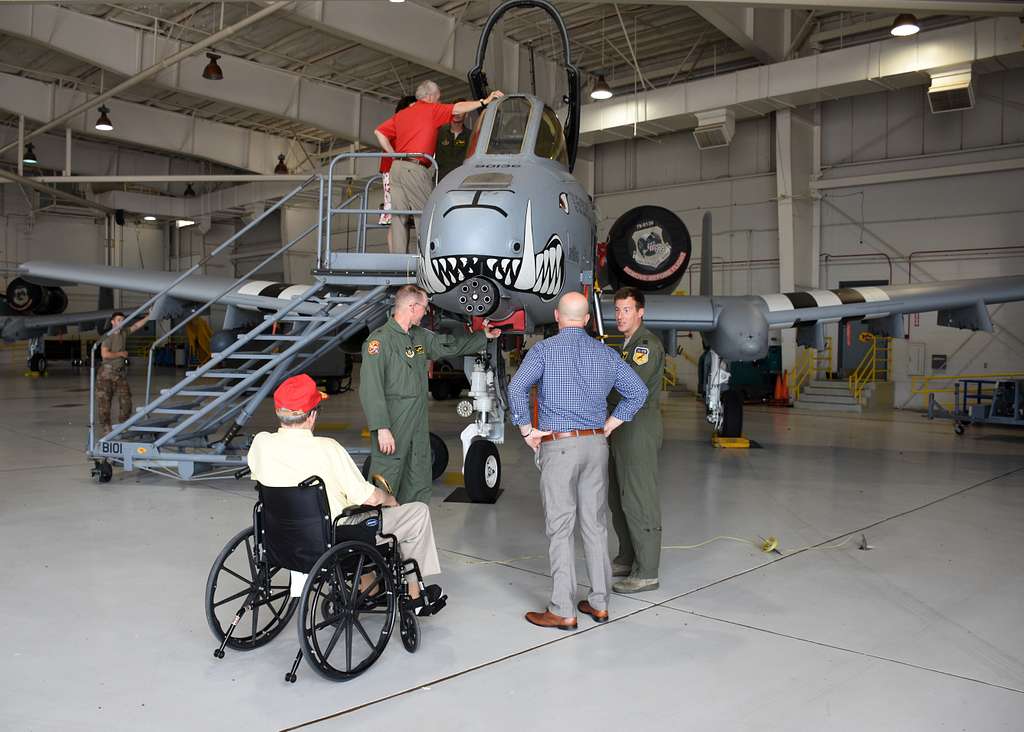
[{"x": 481, "y": 463}]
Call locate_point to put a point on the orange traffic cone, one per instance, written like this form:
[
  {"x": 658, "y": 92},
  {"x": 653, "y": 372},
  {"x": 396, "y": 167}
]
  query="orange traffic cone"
[
  {"x": 777, "y": 395},
  {"x": 785, "y": 386}
]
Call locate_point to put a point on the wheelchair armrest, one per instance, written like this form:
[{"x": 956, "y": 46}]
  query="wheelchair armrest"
[
  {"x": 356, "y": 510},
  {"x": 242, "y": 472}
]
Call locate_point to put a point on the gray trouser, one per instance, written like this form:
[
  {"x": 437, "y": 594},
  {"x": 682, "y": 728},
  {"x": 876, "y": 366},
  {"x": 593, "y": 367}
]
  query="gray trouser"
[
  {"x": 574, "y": 480},
  {"x": 411, "y": 184}
]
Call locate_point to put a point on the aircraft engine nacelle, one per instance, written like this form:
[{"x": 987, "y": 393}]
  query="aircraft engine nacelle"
[
  {"x": 740, "y": 334},
  {"x": 648, "y": 248},
  {"x": 27, "y": 297}
]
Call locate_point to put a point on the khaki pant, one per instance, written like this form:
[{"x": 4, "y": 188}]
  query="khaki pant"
[
  {"x": 411, "y": 185},
  {"x": 110, "y": 382},
  {"x": 410, "y": 522},
  {"x": 574, "y": 482}
]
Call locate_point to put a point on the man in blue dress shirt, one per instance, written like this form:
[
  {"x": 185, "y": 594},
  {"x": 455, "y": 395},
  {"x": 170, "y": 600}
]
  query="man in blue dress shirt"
[{"x": 575, "y": 374}]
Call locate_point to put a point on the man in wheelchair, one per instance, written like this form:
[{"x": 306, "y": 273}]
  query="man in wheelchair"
[{"x": 293, "y": 453}]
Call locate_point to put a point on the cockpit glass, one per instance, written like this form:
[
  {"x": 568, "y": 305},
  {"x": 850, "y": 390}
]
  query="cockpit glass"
[
  {"x": 550, "y": 139},
  {"x": 510, "y": 119},
  {"x": 475, "y": 137}
]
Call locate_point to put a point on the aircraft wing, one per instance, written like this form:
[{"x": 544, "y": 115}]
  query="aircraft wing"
[
  {"x": 737, "y": 327},
  {"x": 22, "y": 327},
  {"x": 252, "y": 295}
]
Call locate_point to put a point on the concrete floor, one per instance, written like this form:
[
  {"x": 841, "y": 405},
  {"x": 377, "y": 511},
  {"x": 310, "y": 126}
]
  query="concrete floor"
[{"x": 104, "y": 626}]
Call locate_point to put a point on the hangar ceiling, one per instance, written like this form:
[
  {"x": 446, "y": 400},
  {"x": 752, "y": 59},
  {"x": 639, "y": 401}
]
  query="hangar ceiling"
[{"x": 345, "y": 55}]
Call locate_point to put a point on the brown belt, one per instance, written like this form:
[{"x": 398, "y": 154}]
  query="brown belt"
[{"x": 574, "y": 433}]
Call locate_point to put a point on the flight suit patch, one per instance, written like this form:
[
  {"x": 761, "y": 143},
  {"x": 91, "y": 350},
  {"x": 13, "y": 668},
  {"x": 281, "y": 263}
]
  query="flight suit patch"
[
  {"x": 421, "y": 349},
  {"x": 409, "y": 353},
  {"x": 373, "y": 348},
  {"x": 640, "y": 356}
]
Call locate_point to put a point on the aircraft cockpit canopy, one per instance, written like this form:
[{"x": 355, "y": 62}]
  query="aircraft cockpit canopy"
[{"x": 518, "y": 125}]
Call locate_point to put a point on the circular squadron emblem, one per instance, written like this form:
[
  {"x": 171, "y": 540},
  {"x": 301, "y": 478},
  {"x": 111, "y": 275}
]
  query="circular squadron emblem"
[{"x": 649, "y": 248}]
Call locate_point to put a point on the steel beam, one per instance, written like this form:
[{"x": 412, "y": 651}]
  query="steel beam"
[
  {"x": 146, "y": 126},
  {"x": 263, "y": 89}
]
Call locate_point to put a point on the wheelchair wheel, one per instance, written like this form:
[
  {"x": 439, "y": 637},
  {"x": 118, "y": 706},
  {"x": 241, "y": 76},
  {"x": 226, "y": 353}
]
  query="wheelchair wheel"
[
  {"x": 234, "y": 579},
  {"x": 342, "y": 631},
  {"x": 410, "y": 630}
]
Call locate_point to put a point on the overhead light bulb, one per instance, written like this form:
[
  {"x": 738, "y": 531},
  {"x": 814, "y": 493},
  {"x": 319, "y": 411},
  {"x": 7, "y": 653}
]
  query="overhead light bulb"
[
  {"x": 601, "y": 89},
  {"x": 280, "y": 168},
  {"x": 905, "y": 25},
  {"x": 213, "y": 71},
  {"x": 29, "y": 157},
  {"x": 397, "y": 1},
  {"x": 149, "y": 218},
  {"x": 189, "y": 191},
  {"x": 103, "y": 123},
  {"x": 182, "y": 223}
]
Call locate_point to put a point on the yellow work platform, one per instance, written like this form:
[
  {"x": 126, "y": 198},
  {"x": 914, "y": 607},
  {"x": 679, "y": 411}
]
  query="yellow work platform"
[{"x": 733, "y": 442}]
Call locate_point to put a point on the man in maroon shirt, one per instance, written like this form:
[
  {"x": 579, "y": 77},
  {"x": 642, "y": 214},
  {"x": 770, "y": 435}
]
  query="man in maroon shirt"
[{"x": 414, "y": 130}]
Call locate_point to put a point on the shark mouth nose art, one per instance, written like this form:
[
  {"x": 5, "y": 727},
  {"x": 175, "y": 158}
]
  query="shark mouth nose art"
[{"x": 540, "y": 273}]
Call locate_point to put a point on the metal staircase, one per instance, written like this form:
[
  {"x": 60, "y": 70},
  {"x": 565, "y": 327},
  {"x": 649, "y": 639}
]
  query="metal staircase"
[{"x": 193, "y": 429}]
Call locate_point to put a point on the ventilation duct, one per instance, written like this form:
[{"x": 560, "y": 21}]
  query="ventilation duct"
[
  {"x": 951, "y": 90},
  {"x": 714, "y": 128}
]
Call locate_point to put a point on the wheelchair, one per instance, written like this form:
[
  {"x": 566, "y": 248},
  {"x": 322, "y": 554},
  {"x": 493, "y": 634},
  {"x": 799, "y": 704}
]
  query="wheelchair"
[{"x": 352, "y": 587}]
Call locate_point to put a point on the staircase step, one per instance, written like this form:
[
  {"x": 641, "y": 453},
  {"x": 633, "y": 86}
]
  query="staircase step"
[
  {"x": 218, "y": 374},
  {"x": 825, "y": 407},
  {"x": 272, "y": 337},
  {"x": 202, "y": 392},
  {"x": 144, "y": 428},
  {"x": 828, "y": 396},
  {"x": 249, "y": 356},
  {"x": 301, "y": 318},
  {"x": 837, "y": 385},
  {"x": 171, "y": 410}
]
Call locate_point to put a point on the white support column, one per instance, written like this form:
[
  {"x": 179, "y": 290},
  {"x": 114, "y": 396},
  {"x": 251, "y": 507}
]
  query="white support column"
[
  {"x": 21, "y": 144},
  {"x": 798, "y": 256},
  {"x": 67, "y": 151}
]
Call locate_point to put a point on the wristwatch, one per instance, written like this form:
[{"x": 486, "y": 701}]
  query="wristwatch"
[{"x": 483, "y": 104}]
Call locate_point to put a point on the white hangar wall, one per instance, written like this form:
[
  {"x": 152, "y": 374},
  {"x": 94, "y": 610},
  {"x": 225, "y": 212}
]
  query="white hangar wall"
[{"x": 931, "y": 228}]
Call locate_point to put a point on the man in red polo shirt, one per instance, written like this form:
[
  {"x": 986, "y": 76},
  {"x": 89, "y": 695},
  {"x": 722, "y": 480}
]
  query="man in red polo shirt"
[{"x": 414, "y": 130}]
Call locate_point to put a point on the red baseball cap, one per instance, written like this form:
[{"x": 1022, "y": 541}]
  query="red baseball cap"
[{"x": 299, "y": 394}]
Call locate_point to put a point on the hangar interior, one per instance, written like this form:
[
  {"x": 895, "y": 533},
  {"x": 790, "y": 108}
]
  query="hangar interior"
[{"x": 846, "y": 156}]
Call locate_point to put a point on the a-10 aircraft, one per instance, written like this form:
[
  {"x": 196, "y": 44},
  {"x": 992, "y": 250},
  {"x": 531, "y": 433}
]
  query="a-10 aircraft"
[{"x": 511, "y": 230}]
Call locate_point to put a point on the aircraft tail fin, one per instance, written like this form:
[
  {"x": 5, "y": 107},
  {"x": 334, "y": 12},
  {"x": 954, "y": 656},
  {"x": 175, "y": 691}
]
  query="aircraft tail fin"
[
  {"x": 106, "y": 299},
  {"x": 706, "y": 259}
]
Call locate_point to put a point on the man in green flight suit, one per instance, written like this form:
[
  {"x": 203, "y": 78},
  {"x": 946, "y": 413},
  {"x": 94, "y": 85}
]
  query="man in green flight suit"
[
  {"x": 393, "y": 391},
  {"x": 633, "y": 455}
]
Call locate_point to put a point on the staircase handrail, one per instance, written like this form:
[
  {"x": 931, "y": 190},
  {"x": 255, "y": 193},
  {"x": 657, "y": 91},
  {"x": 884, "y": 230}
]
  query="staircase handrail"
[
  {"x": 148, "y": 304},
  {"x": 806, "y": 364}
]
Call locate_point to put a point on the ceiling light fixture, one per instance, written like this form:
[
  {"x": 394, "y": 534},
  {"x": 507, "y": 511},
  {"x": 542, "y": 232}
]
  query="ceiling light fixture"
[
  {"x": 601, "y": 89},
  {"x": 182, "y": 223},
  {"x": 149, "y": 218},
  {"x": 905, "y": 25},
  {"x": 397, "y": 1},
  {"x": 29, "y": 158},
  {"x": 280, "y": 168},
  {"x": 103, "y": 123},
  {"x": 189, "y": 192},
  {"x": 213, "y": 71}
]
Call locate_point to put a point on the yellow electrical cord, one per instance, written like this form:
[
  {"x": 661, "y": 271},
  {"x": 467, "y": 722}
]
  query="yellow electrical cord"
[{"x": 763, "y": 544}]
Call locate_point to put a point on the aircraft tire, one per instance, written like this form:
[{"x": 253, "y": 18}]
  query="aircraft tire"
[
  {"x": 438, "y": 457},
  {"x": 732, "y": 405},
  {"x": 482, "y": 472},
  {"x": 37, "y": 363}
]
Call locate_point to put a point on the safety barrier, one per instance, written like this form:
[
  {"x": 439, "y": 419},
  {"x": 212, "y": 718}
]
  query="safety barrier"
[{"x": 873, "y": 366}]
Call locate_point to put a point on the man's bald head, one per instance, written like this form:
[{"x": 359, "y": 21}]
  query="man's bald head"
[{"x": 573, "y": 310}]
